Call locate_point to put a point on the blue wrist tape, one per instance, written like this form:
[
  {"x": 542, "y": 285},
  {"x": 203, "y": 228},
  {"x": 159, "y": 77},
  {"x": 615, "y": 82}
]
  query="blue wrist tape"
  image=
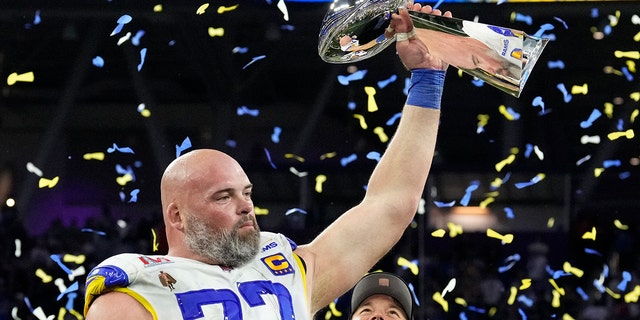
[{"x": 426, "y": 87}]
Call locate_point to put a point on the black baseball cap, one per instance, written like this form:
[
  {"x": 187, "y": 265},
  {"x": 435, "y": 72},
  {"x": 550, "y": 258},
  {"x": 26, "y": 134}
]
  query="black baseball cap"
[{"x": 382, "y": 283}]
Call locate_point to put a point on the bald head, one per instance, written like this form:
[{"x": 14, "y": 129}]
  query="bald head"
[{"x": 193, "y": 171}]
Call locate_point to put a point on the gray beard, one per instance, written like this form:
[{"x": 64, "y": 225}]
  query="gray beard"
[{"x": 220, "y": 246}]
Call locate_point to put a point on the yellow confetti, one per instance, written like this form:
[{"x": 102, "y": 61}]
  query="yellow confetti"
[
  {"x": 555, "y": 285},
  {"x": 437, "y": 297},
  {"x": 483, "y": 119},
  {"x": 380, "y": 132},
  {"x": 145, "y": 113},
  {"x": 635, "y": 96},
  {"x": 320, "y": 179},
  {"x": 372, "y": 106},
  {"x": 503, "y": 110},
  {"x": 223, "y": 9},
  {"x": 202, "y": 9},
  {"x": 403, "y": 262},
  {"x": 293, "y": 156},
  {"x": 328, "y": 315},
  {"x": 44, "y": 182},
  {"x": 261, "y": 211},
  {"x": 634, "y": 114},
  {"x": 25, "y": 77},
  {"x": 597, "y": 172},
  {"x": 157, "y": 8},
  {"x": 454, "y": 229},
  {"x": 94, "y": 156},
  {"x": 631, "y": 65},
  {"x": 636, "y": 38},
  {"x": 566, "y": 316},
  {"x": 632, "y": 296},
  {"x": 438, "y": 233},
  {"x": 525, "y": 284},
  {"x": 328, "y": 155},
  {"x": 583, "y": 89},
  {"x": 79, "y": 259},
  {"x": 551, "y": 222},
  {"x": 486, "y": 202},
  {"x": 567, "y": 267},
  {"x": 124, "y": 179},
  {"x": 155, "y": 244},
  {"x": 590, "y": 234},
  {"x": 500, "y": 165},
  {"x": 627, "y": 54},
  {"x": 615, "y": 135},
  {"x": 76, "y": 314},
  {"x": 363, "y": 123},
  {"x": 612, "y": 294},
  {"x": 44, "y": 276},
  {"x": 506, "y": 239},
  {"x": 608, "y": 109},
  {"x": 496, "y": 183},
  {"x": 460, "y": 301},
  {"x": 334, "y": 310},
  {"x": 213, "y": 32},
  {"x": 620, "y": 225},
  {"x": 492, "y": 194},
  {"x": 61, "y": 313},
  {"x": 513, "y": 292}
]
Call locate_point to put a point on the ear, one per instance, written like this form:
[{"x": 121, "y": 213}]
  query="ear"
[{"x": 174, "y": 217}]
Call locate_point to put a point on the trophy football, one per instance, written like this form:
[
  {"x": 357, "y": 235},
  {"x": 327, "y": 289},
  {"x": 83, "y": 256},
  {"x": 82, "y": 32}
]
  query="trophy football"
[{"x": 353, "y": 30}]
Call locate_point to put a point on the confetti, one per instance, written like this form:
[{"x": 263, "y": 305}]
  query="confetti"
[
  {"x": 268, "y": 154},
  {"x": 566, "y": 95},
  {"x": 119, "y": 149},
  {"x": 293, "y": 156},
  {"x": 620, "y": 225},
  {"x": 240, "y": 50},
  {"x": 143, "y": 54},
  {"x": 136, "y": 38},
  {"x": 124, "y": 19},
  {"x": 48, "y": 183},
  {"x": 295, "y": 210},
  {"x": 449, "y": 287},
  {"x": 557, "y": 64},
  {"x": 333, "y": 309},
  {"x": 242, "y": 110},
  {"x": 567, "y": 267},
  {"x": 261, "y": 211},
  {"x": 454, "y": 229},
  {"x": 373, "y": 155},
  {"x": 320, "y": 180},
  {"x": 186, "y": 144},
  {"x": 440, "y": 204},
  {"x": 590, "y": 235},
  {"x": 515, "y": 16},
  {"x": 595, "y": 114},
  {"x": 626, "y": 277},
  {"x": 386, "y": 82},
  {"x": 509, "y": 160},
  {"x": 629, "y": 134},
  {"x": 583, "y": 89},
  {"x": 437, "y": 297},
  {"x": 124, "y": 179},
  {"x": 508, "y": 113},
  {"x": 18, "y": 251},
  {"x": 509, "y": 262},
  {"x": 381, "y": 135},
  {"x": 372, "y": 106},
  {"x": 101, "y": 233},
  {"x": 254, "y": 59},
  {"x": 124, "y": 38},
  {"x": 298, "y": 173},
  {"x": 33, "y": 169},
  {"x": 589, "y": 139},
  {"x": 627, "y": 54},
  {"x": 407, "y": 264},
  {"x": 470, "y": 189},
  {"x": 438, "y": 233},
  {"x": 142, "y": 109},
  {"x": 219, "y": 32},
  {"x": 537, "y": 102},
  {"x": 275, "y": 136},
  {"x": 348, "y": 159},
  {"x": 363, "y": 122},
  {"x": 283, "y": 8},
  {"x": 509, "y": 213},
  {"x": 202, "y": 8},
  {"x": 537, "y": 178},
  {"x": 98, "y": 61},
  {"x": 506, "y": 239},
  {"x": 358, "y": 75},
  {"x": 25, "y": 77},
  {"x": 513, "y": 292},
  {"x": 393, "y": 119},
  {"x": 223, "y": 9}
]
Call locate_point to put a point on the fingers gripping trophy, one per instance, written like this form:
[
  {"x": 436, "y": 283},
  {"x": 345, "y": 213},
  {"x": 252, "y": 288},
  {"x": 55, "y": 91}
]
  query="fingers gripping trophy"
[{"x": 355, "y": 30}]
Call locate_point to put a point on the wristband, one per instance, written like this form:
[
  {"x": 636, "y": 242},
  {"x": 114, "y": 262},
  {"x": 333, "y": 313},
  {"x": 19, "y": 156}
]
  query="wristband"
[{"x": 426, "y": 87}]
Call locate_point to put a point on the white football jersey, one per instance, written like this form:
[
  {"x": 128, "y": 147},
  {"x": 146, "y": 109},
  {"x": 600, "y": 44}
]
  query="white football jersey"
[{"x": 272, "y": 286}]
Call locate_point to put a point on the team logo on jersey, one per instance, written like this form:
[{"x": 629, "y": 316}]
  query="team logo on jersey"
[
  {"x": 167, "y": 280},
  {"x": 278, "y": 264}
]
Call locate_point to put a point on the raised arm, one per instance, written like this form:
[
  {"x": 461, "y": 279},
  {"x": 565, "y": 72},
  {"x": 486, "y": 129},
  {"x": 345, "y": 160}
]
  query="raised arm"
[{"x": 351, "y": 245}]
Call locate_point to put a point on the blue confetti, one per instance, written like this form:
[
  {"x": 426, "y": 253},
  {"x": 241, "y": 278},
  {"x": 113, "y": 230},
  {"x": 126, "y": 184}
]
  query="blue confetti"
[
  {"x": 509, "y": 213},
  {"x": 242, "y": 110},
  {"x": 254, "y": 59},
  {"x": 122, "y": 150},
  {"x": 440, "y": 204},
  {"x": 611, "y": 163},
  {"x": 269, "y": 158},
  {"x": 373, "y": 155},
  {"x": 135, "y": 40},
  {"x": 56, "y": 258},
  {"x": 240, "y": 50},
  {"x": 393, "y": 119},
  {"x": 467, "y": 196},
  {"x": 346, "y": 160},
  {"x": 98, "y": 61},
  {"x": 358, "y": 75},
  {"x": 275, "y": 136},
  {"x": 595, "y": 114},
  {"x": 384, "y": 83},
  {"x": 557, "y": 64},
  {"x": 143, "y": 55},
  {"x": 134, "y": 195},
  {"x": 295, "y": 210},
  {"x": 186, "y": 144}
]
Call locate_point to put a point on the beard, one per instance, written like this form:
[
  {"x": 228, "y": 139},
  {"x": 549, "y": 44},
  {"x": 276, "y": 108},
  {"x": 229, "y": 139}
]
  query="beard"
[{"x": 222, "y": 246}]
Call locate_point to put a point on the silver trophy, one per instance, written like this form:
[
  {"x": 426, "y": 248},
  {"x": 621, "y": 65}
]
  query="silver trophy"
[{"x": 353, "y": 30}]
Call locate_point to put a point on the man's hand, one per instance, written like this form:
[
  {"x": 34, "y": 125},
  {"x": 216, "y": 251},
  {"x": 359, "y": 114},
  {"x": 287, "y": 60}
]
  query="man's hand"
[{"x": 412, "y": 51}]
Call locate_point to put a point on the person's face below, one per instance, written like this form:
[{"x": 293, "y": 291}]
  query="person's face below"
[
  {"x": 379, "y": 306},
  {"x": 220, "y": 223}
]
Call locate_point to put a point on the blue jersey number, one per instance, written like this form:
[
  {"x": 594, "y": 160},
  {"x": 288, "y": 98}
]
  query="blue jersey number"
[{"x": 191, "y": 302}]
